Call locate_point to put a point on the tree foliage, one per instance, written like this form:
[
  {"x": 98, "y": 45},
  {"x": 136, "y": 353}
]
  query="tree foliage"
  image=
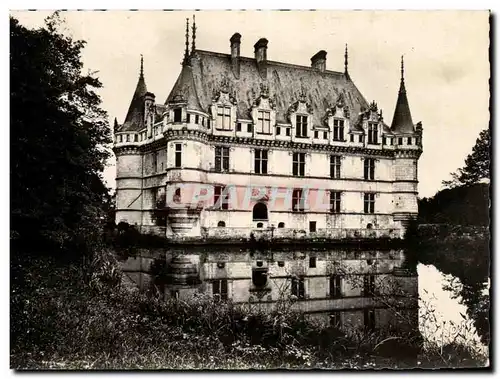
[
  {"x": 59, "y": 138},
  {"x": 477, "y": 164},
  {"x": 462, "y": 205}
]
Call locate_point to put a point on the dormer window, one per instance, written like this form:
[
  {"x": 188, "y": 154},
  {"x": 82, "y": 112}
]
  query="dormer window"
[
  {"x": 372, "y": 133},
  {"x": 224, "y": 117},
  {"x": 178, "y": 115},
  {"x": 264, "y": 122},
  {"x": 301, "y": 130},
  {"x": 338, "y": 130}
]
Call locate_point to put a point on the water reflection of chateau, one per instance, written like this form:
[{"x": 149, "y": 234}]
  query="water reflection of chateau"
[{"x": 345, "y": 287}]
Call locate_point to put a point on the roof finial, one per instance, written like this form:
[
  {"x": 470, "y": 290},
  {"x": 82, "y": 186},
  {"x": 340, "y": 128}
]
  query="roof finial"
[
  {"x": 402, "y": 85},
  {"x": 186, "y": 52},
  {"x": 141, "y": 73},
  {"x": 193, "y": 45},
  {"x": 346, "y": 62},
  {"x": 402, "y": 68}
]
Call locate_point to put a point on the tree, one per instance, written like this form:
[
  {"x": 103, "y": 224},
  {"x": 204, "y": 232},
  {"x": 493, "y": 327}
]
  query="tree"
[
  {"x": 59, "y": 139},
  {"x": 477, "y": 164}
]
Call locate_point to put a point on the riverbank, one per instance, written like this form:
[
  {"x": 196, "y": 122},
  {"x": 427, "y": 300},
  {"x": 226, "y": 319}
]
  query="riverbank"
[{"x": 63, "y": 318}]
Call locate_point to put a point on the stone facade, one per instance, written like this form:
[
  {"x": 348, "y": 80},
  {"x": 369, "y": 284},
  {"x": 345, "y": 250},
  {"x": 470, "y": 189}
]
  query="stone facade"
[{"x": 261, "y": 133}]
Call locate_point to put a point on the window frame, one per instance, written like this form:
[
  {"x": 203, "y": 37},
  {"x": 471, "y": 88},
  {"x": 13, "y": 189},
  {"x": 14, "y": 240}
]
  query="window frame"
[
  {"x": 338, "y": 129},
  {"x": 261, "y": 161},
  {"x": 369, "y": 202},
  {"x": 222, "y": 161},
  {"x": 335, "y": 201},
  {"x": 263, "y": 121},
  {"x": 301, "y": 122},
  {"x": 299, "y": 164},
  {"x": 335, "y": 166},
  {"x": 224, "y": 117},
  {"x": 178, "y": 155}
]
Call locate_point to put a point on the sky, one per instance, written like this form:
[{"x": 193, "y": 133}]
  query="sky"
[{"x": 446, "y": 62}]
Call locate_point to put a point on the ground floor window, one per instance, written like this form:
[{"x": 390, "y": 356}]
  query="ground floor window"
[
  {"x": 298, "y": 288},
  {"x": 219, "y": 289}
]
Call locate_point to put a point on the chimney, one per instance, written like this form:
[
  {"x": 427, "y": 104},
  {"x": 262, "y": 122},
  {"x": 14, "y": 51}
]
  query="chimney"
[
  {"x": 235, "y": 54},
  {"x": 261, "y": 56},
  {"x": 318, "y": 61}
]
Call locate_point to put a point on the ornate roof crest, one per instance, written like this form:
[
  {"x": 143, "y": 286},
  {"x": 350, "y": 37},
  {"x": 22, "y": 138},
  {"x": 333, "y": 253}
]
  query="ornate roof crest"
[
  {"x": 340, "y": 101},
  {"x": 373, "y": 106},
  {"x": 264, "y": 90}
]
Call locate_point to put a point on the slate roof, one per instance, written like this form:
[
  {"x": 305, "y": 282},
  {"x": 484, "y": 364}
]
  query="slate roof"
[
  {"x": 285, "y": 82},
  {"x": 402, "y": 122},
  {"x": 135, "y": 114}
]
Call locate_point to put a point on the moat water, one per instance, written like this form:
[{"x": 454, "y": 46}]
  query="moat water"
[{"x": 353, "y": 288}]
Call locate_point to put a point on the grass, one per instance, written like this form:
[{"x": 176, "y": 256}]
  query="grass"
[{"x": 65, "y": 317}]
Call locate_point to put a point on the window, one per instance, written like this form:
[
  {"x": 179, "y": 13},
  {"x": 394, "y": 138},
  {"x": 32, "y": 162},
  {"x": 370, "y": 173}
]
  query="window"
[
  {"x": 336, "y": 319},
  {"x": 178, "y": 115},
  {"x": 260, "y": 162},
  {"x": 360, "y": 138},
  {"x": 259, "y": 277},
  {"x": 299, "y": 164},
  {"x": 312, "y": 226},
  {"x": 368, "y": 285},
  {"x": 298, "y": 287},
  {"x": 369, "y": 315},
  {"x": 264, "y": 122},
  {"x": 352, "y": 137},
  {"x": 178, "y": 155},
  {"x": 391, "y": 141},
  {"x": 338, "y": 130},
  {"x": 196, "y": 119},
  {"x": 281, "y": 225},
  {"x": 325, "y": 135},
  {"x": 177, "y": 195},
  {"x": 221, "y": 158},
  {"x": 221, "y": 202},
  {"x": 288, "y": 132},
  {"x": 155, "y": 161},
  {"x": 372, "y": 133},
  {"x": 188, "y": 118},
  {"x": 335, "y": 165},
  {"x": 224, "y": 118},
  {"x": 312, "y": 262},
  {"x": 136, "y": 138},
  {"x": 219, "y": 289},
  {"x": 335, "y": 286},
  {"x": 278, "y": 130},
  {"x": 316, "y": 134},
  {"x": 249, "y": 128},
  {"x": 384, "y": 140},
  {"x": 297, "y": 204},
  {"x": 369, "y": 202},
  {"x": 260, "y": 225},
  {"x": 281, "y": 263},
  {"x": 128, "y": 138},
  {"x": 238, "y": 127},
  {"x": 208, "y": 123},
  {"x": 203, "y": 121},
  {"x": 301, "y": 127},
  {"x": 400, "y": 140},
  {"x": 369, "y": 169},
  {"x": 259, "y": 212},
  {"x": 335, "y": 201},
  {"x": 221, "y": 224},
  {"x": 409, "y": 141}
]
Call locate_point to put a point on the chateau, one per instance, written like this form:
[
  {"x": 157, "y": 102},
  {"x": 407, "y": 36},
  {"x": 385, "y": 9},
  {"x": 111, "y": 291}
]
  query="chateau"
[{"x": 250, "y": 147}]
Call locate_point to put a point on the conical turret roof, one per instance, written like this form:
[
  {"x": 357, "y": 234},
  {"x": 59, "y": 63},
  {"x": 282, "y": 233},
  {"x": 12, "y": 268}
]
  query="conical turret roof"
[
  {"x": 135, "y": 115},
  {"x": 402, "y": 121}
]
